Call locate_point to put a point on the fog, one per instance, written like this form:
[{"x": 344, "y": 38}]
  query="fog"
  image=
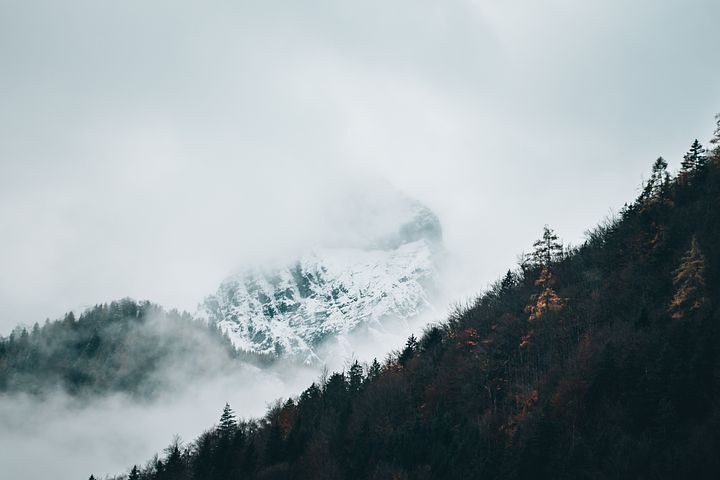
[
  {"x": 150, "y": 148},
  {"x": 57, "y": 435}
]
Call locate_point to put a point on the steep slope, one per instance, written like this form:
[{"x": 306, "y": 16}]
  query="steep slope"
[
  {"x": 332, "y": 291},
  {"x": 598, "y": 363}
]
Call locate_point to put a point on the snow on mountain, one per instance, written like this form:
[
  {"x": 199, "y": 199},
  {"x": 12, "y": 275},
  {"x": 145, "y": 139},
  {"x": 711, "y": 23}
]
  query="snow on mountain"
[{"x": 332, "y": 291}]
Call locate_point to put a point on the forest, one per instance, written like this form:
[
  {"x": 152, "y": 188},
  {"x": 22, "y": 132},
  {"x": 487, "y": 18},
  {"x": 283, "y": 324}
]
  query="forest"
[
  {"x": 120, "y": 347},
  {"x": 596, "y": 361}
]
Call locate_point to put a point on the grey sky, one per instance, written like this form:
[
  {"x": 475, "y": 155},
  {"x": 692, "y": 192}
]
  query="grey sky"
[{"x": 147, "y": 148}]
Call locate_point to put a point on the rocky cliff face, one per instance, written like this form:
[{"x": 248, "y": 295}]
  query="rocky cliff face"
[{"x": 330, "y": 292}]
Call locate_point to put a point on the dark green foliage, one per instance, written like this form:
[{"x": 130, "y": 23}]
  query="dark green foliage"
[
  {"x": 227, "y": 425},
  {"x": 355, "y": 376},
  {"x": 694, "y": 162},
  {"x": 546, "y": 250},
  {"x": 408, "y": 352},
  {"x": 610, "y": 386},
  {"x": 123, "y": 346},
  {"x": 656, "y": 187},
  {"x": 374, "y": 370},
  {"x": 134, "y": 473},
  {"x": 175, "y": 467}
]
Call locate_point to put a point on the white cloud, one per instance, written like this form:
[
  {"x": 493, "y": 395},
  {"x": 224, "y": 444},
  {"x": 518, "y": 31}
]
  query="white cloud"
[{"x": 150, "y": 148}]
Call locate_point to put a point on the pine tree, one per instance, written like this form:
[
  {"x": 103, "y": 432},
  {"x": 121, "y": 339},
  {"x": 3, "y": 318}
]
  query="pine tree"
[
  {"x": 409, "y": 350},
  {"x": 227, "y": 425},
  {"x": 689, "y": 281},
  {"x": 69, "y": 318},
  {"x": 507, "y": 283},
  {"x": 355, "y": 375},
  {"x": 694, "y": 160},
  {"x": 134, "y": 473},
  {"x": 174, "y": 466},
  {"x": 547, "y": 249},
  {"x": 658, "y": 183},
  {"x": 374, "y": 370}
]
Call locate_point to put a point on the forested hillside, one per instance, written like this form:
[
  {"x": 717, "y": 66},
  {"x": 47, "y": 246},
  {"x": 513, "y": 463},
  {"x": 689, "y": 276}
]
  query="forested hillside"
[
  {"x": 601, "y": 361},
  {"x": 125, "y": 346}
]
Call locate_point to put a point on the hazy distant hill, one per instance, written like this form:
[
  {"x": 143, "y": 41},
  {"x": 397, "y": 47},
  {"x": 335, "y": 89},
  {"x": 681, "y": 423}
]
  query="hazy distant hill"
[{"x": 125, "y": 346}]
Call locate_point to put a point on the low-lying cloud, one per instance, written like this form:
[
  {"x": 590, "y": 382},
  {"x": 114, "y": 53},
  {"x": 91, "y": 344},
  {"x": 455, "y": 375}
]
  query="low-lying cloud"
[
  {"x": 105, "y": 434},
  {"x": 150, "y": 148}
]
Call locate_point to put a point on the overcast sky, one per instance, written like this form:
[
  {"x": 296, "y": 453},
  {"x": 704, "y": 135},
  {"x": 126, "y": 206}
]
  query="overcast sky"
[{"x": 148, "y": 148}]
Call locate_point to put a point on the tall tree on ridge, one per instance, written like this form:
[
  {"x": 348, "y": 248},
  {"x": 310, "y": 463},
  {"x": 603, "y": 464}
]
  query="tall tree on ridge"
[
  {"x": 408, "y": 352},
  {"x": 659, "y": 180},
  {"x": 355, "y": 376},
  {"x": 227, "y": 424},
  {"x": 374, "y": 370},
  {"x": 547, "y": 249},
  {"x": 693, "y": 161}
]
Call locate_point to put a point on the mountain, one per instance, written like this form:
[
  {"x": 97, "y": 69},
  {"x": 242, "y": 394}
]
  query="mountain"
[
  {"x": 333, "y": 291},
  {"x": 140, "y": 349},
  {"x": 601, "y": 361}
]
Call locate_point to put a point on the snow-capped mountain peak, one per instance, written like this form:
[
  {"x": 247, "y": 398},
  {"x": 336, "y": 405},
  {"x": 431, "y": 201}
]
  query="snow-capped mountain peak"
[{"x": 330, "y": 292}]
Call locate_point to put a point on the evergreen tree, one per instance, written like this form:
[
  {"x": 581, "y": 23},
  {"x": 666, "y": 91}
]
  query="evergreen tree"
[
  {"x": 659, "y": 180},
  {"x": 311, "y": 394},
  {"x": 507, "y": 283},
  {"x": 174, "y": 465},
  {"x": 409, "y": 351},
  {"x": 547, "y": 249},
  {"x": 693, "y": 161},
  {"x": 134, "y": 473},
  {"x": 374, "y": 370},
  {"x": 204, "y": 461},
  {"x": 355, "y": 375},
  {"x": 336, "y": 391},
  {"x": 227, "y": 426},
  {"x": 689, "y": 281}
]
